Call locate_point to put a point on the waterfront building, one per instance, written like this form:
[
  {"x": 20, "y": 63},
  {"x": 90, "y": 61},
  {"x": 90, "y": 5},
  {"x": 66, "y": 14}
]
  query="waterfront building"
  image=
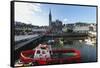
[
  {"x": 40, "y": 30},
  {"x": 23, "y": 29},
  {"x": 81, "y": 28}
]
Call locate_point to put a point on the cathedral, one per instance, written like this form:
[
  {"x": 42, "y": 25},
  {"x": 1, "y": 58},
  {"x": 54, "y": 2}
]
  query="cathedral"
[{"x": 55, "y": 26}]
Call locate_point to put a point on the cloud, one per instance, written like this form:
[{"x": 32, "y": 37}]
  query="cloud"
[
  {"x": 65, "y": 20},
  {"x": 24, "y": 11},
  {"x": 35, "y": 7},
  {"x": 72, "y": 20}
]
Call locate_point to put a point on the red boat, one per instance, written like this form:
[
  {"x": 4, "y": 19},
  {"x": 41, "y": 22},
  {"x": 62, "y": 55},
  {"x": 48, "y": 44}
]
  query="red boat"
[{"x": 43, "y": 55}]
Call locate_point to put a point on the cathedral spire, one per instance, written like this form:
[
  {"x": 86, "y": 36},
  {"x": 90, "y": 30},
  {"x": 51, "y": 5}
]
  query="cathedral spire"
[{"x": 50, "y": 17}]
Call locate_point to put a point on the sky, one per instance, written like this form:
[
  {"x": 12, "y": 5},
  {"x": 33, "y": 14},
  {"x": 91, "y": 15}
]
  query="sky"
[{"x": 38, "y": 14}]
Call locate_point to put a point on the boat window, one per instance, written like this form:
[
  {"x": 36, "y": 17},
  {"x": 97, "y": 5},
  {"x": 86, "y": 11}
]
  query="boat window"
[
  {"x": 43, "y": 52},
  {"x": 38, "y": 52},
  {"x": 43, "y": 47}
]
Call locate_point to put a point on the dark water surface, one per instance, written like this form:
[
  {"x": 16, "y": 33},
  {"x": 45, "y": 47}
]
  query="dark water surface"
[{"x": 88, "y": 51}]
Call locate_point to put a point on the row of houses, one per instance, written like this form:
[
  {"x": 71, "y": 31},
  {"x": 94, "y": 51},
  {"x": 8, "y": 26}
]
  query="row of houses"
[
  {"x": 29, "y": 29},
  {"x": 79, "y": 27}
]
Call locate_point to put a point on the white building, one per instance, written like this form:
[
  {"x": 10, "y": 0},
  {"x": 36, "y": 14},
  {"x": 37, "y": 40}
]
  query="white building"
[
  {"x": 81, "y": 29},
  {"x": 84, "y": 28},
  {"x": 92, "y": 27},
  {"x": 39, "y": 30}
]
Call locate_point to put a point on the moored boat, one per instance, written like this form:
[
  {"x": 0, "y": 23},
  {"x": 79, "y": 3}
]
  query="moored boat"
[{"x": 43, "y": 55}]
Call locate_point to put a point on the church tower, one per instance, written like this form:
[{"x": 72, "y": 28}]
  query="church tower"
[{"x": 50, "y": 18}]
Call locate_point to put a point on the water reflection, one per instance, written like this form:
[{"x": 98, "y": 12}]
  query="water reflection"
[{"x": 88, "y": 51}]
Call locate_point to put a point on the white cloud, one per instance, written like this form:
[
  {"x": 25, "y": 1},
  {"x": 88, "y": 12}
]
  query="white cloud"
[
  {"x": 65, "y": 20},
  {"x": 72, "y": 20},
  {"x": 24, "y": 11},
  {"x": 35, "y": 7}
]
